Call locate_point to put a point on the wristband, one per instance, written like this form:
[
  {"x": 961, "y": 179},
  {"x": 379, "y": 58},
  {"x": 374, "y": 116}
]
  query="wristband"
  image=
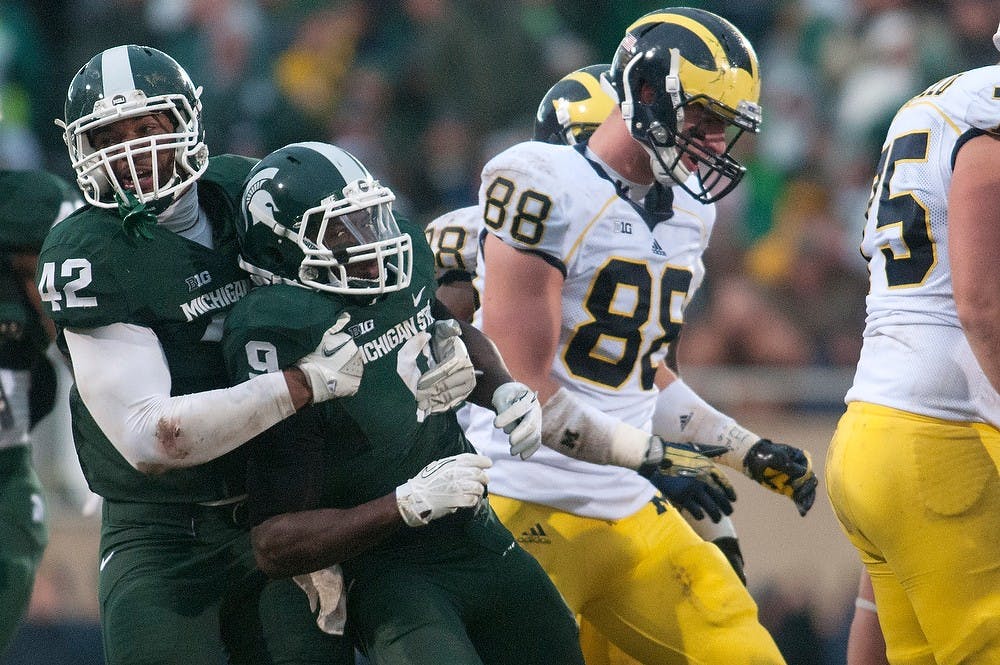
[
  {"x": 583, "y": 432},
  {"x": 682, "y": 416},
  {"x": 865, "y": 604}
]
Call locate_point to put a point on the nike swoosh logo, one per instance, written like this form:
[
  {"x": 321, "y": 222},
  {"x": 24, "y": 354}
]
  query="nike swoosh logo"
[
  {"x": 328, "y": 352},
  {"x": 105, "y": 560},
  {"x": 430, "y": 469},
  {"x": 420, "y": 294}
]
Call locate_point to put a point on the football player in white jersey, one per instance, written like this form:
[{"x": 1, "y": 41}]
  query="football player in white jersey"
[
  {"x": 568, "y": 114},
  {"x": 912, "y": 470},
  {"x": 583, "y": 289}
]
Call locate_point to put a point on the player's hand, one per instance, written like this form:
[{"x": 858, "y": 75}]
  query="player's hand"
[
  {"x": 690, "y": 479},
  {"x": 451, "y": 376},
  {"x": 519, "y": 415},
  {"x": 334, "y": 369},
  {"x": 783, "y": 469},
  {"x": 442, "y": 487}
]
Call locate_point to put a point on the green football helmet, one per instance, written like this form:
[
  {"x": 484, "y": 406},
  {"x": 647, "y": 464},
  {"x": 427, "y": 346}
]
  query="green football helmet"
[
  {"x": 313, "y": 216},
  {"x": 670, "y": 60},
  {"x": 573, "y": 108},
  {"x": 128, "y": 82}
]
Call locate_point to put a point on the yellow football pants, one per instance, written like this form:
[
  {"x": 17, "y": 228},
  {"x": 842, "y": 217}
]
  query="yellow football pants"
[
  {"x": 920, "y": 500},
  {"x": 648, "y": 582}
]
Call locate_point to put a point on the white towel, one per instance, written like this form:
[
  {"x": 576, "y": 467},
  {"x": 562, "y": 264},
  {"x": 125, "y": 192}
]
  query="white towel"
[{"x": 325, "y": 589}]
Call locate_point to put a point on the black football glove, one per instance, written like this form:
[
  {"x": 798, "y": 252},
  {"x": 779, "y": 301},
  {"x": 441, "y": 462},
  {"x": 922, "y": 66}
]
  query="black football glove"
[
  {"x": 783, "y": 469},
  {"x": 690, "y": 480}
]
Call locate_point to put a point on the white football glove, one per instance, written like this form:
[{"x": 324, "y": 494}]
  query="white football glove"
[
  {"x": 451, "y": 376},
  {"x": 442, "y": 487},
  {"x": 519, "y": 415},
  {"x": 334, "y": 368}
]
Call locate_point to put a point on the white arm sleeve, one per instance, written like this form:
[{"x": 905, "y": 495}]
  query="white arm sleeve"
[
  {"x": 584, "y": 433},
  {"x": 123, "y": 378},
  {"x": 682, "y": 416}
]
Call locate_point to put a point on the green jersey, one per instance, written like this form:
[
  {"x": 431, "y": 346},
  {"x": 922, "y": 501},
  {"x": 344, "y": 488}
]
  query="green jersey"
[
  {"x": 30, "y": 202},
  {"x": 353, "y": 449},
  {"x": 92, "y": 273}
]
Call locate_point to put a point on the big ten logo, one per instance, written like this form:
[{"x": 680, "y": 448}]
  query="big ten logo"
[
  {"x": 203, "y": 278},
  {"x": 359, "y": 329},
  {"x": 623, "y": 227}
]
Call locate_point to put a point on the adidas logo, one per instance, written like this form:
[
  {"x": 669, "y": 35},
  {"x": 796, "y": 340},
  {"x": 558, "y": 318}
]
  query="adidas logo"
[
  {"x": 535, "y": 534},
  {"x": 685, "y": 419},
  {"x": 657, "y": 249}
]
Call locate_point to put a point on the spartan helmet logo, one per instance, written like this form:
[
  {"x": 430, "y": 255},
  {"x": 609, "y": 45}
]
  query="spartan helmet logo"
[{"x": 257, "y": 200}]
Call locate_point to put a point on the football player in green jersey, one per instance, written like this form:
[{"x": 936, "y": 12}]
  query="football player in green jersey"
[
  {"x": 318, "y": 231},
  {"x": 138, "y": 283},
  {"x": 30, "y": 202}
]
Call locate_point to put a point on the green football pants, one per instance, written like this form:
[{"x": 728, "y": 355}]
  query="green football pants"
[
  {"x": 23, "y": 536},
  {"x": 178, "y": 585},
  {"x": 462, "y": 596}
]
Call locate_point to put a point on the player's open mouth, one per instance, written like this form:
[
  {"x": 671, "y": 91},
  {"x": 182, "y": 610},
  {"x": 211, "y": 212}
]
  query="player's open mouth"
[{"x": 145, "y": 181}]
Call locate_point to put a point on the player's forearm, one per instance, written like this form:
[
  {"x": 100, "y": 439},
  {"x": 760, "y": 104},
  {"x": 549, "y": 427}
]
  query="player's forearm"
[
  {"x": 130, "y": 400},
  {"x": 491, "y": 372},
  {"x": 973, "y": 237},
  {"x": 306, "y": 541},
  {"x": 583, "y": 432},
  {"x": 681, "y": 416}
]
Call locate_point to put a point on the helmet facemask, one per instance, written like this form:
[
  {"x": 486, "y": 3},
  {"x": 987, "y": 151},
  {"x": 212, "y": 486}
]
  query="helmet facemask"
[
  {"x": 349, "y": 244},
  {"x": 677, "y": 151},
  {"x": 129, "y": 82},
  {"x": 96, "y": 168},
  {"x": 352, "y": 244}
]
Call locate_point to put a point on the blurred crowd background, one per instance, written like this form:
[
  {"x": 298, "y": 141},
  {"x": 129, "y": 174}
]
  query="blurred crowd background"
[{"x": 425, "y": 91}]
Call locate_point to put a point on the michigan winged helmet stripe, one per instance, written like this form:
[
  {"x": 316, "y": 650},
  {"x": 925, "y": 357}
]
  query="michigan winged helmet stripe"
[
  {"x": 710, "y": 48},
  {"x": 573, "y": 108}
]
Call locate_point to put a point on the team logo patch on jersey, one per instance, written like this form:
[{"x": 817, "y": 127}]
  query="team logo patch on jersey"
[
  {"x": 359, "y": 329},
  {"x": 195, "y": 282},
  {"x": 623, "y": 227},
  {"x": 657, "y": 249}
]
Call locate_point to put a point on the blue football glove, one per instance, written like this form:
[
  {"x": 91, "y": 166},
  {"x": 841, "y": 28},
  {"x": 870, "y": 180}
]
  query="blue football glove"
[
  {"x": 690, "y": 480},
  {"x": 783, "y": 469}
]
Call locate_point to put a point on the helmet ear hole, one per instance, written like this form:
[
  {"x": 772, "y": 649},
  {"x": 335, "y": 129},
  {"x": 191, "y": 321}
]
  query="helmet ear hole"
[{"x": 647, "y": 93}]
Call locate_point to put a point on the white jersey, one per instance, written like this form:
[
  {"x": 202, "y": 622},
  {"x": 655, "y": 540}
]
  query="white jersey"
[
  {"x": 915, "y": 356},
  {"x": 623, "y": 299},
  {"x": 454, "y": 239}
]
